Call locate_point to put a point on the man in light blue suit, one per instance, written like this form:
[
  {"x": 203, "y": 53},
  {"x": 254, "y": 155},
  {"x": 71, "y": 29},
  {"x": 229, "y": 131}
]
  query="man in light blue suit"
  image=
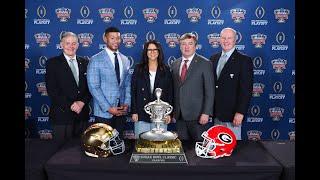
[{"x": 109, "y": 82}]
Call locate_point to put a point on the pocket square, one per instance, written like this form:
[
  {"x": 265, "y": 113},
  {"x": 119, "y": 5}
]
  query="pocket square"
[
  {"x": 231, "y": 76},
  {"x": 85, "y": 74}
]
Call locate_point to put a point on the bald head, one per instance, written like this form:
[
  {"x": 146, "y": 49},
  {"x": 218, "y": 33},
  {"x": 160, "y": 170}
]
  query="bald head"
[{"x": 227, "y": 39}]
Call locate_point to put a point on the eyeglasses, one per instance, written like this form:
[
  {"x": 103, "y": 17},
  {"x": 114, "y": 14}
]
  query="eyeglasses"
[{"x": 153, "y": 50}]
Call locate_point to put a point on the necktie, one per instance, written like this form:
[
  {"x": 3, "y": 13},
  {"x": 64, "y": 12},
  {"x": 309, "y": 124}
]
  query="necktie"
[
  {"x": 222, "y": 62},
  {"x": 116, "y": 67},
  {"x": 184, "y": 70},
  {"x": 74, "y": 71}
]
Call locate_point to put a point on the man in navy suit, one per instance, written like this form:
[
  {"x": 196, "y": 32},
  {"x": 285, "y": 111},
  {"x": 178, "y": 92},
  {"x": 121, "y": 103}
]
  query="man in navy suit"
[
  {"x": 234, "y": 78},
  {"x": 67, "y": 88}
]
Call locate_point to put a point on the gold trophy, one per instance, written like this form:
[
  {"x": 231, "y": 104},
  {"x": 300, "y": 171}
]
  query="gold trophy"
[{"x": 158, "y": 145}]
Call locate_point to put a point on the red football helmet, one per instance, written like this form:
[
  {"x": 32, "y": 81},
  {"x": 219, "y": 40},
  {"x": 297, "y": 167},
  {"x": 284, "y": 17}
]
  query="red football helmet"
[{"x": 219, "y": 141}]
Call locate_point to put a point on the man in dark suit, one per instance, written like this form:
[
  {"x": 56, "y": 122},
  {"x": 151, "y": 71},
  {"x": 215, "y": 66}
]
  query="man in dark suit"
[
  {"x": 233, "y": 77},
  {"x": 193, "y": 90},
  {"x": 67, "y": 88}
]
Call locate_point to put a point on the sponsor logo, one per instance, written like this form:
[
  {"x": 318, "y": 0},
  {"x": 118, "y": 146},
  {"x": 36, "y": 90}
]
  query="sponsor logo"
[
  {"x": 279, "y": 65},
  {"x": 293, "y": 119},
  {"x": 128, "y": 13},
  {"x": 172, "y": 13},
  {"x": 131, "y": 60},
  {"x": 194, "y": 14},
  {"x": 255, "y": 111},
  {"x": 275, "y": 134},
  {"x": 43, "y": 119},
  {"x": 277, "y": 88},
  {"x": 276, "y": 113},
  {"x": 171, "y": 59},
  {"x": 281, "y": 15},
  {"x": 214, "y": 40},
  {"x": 215, "y": 13},
  {"x": 172, "y": 39},
  {"x": 150, "y": 14},
  {"x": 41, "y": 86},
  {"x": 259, "y": 12},
  {"x": 27, "y": 112},
  {"x": 41, "y": 12},
  {"x": 292, "y": 135},
  {"x": 26, "y": 63},
  {"x": 150, "y": 36},
  {"x": 45, "y": 109},
  {"x": 257, "y": 63},
  {"x": 280, "y": 38},
  {"x": 258, "y": 40},
  {"x": 85, "y": 39},
  {"x": 257, "y": 89},
  {"x": 238, "y": 40},
  {"x": 42, "y": 39},
  {"x": 42, "y": 63},
  {"x": 25, "y": 13},
  {"x": 84, "y": 12},
  {"x": 63, "y": 14},
  {"x": 254, "y": 135},
  {"x": 237, "y": 14},
  {"x": 129, "y": 39},
  {"x": 293, "y": 72},
  {"x": 106, "y": 14},
  {"x": 26, "y": 94}
]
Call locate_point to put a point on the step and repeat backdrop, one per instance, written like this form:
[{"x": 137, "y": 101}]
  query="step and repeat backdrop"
[{"x": 265, "y": 31}]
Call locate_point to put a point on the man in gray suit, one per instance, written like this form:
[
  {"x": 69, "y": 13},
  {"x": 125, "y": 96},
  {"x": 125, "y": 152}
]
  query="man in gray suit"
[{"x": 193, "y": 90}]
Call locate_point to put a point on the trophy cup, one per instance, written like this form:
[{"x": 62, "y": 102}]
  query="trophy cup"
[{"x": 158, "y": 145}]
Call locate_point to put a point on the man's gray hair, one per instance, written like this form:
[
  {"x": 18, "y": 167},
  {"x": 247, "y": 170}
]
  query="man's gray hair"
[
  {"x": 67, "y": 34},
  {"x": 189, "y": 36},
  {"x": 229, "y": 28}
]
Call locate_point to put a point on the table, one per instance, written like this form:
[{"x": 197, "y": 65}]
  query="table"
[
  {"x": 248, "y": 161},
  {"x": 284, "y": 153},
  {"x": 37, "y": 152}
]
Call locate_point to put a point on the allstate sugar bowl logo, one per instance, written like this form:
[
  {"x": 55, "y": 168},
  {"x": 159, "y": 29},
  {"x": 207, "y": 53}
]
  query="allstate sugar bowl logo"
[
  {"x": 129, "y": 39},
  {"x": 42, "y": 89},
  {"x": 237, "y": 14},
  {"x": 276, "y": 113},
  {"x": 279, "y": 65},
  {"x": 292, "y": 135},
  {"x": 254, "y": 135},
  {"x": 172, "y": 39},
  {"x": 150, "y": 14},
  {"x": 106, "y": 14},
  {"x": 194, "y": 14},
  {"x": 257, "y": 89},
  {"x": 63, "y": 14},
  {"x": 85, "y": 39},
  {"x": 258, "y": 40},
  {"x": 42, "y": 39},
  {"x": 214, "y": 40},
  {"x": 281, "y": 15}
]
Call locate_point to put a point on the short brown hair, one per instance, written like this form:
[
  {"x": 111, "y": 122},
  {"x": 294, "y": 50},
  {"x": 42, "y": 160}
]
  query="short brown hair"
[{"x": 189, "y": 36}]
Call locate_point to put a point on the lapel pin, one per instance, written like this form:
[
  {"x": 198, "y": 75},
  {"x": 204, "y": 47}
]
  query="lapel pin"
[{"x": 231, "y": 76}]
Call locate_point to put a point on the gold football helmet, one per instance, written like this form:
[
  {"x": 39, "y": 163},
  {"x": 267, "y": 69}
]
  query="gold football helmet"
[{"x": 101, "y": 140}]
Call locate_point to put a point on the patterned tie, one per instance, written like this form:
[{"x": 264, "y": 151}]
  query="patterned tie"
[
  {"x": 116, "y": 67},
  {"x": 222, "y": 62},
  {"x": 184, "y": 70},
  {"x": 74, "y": 71}
]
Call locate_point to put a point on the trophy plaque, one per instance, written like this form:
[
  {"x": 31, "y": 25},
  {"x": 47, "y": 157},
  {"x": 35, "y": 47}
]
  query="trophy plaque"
[{"x": 158, "y": 145}]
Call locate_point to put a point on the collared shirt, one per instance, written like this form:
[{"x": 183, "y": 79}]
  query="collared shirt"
[
  {"x": 188, "y": 63},
  {"x": 111, "y": 56},
  {"x": 75, "y": 63},
  {"x": 228, "y": 53}
]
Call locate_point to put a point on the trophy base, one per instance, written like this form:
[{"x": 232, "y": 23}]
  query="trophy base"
[
  {"x": 169, "y": 151},
  {"x": 169, "y": 146}
]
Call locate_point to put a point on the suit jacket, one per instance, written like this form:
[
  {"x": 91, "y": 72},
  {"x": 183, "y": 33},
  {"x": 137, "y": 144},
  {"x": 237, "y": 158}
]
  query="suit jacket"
[
  {"x": 103, "y": 84},
  {"x": 234, "y": 86},
  {"x": 63, "y": 90},
  {"x": 140, "y": 90},
  {"x": 194, "y": 96}
]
